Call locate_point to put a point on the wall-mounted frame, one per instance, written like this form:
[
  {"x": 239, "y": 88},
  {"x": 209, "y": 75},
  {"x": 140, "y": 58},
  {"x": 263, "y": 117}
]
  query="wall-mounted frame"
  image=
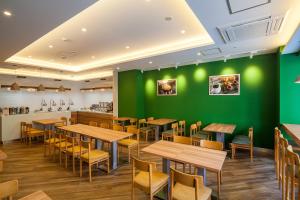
[
  {"x": 224, "y": 84},
  {"x": 167, "y": 87}
]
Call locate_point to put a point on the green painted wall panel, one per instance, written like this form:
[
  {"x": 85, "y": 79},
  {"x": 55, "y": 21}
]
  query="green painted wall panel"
[{"x": 289, "y": 91}]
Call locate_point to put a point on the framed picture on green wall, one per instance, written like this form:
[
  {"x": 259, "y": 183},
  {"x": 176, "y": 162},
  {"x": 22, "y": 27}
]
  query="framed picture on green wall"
[
  {"x": 224, "y": 84},
  {"x": 167, "y": 87}
]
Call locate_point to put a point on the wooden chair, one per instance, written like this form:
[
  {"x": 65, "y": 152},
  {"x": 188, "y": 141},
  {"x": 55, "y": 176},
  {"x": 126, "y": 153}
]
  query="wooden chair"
[
  {"x": 117, "y": 127},
  {"x": 32, "y": 133},
  {"x": 212, "y": 145},
  {"x": 104, "y": 125},
  {"x": 49, "y": 141},
  {"x": 73, "y": 150},
  {"x": 144, "y": 129},
  {"x": 181, "y": 128},
  {"x": 193, "y": 134},
  {"x": 292, "y": 173},
  {"x": 276, "y": 150},
  {"x": 182, "y": 140},
  {"x": 60, "y": 144},
  {"x": 65, "y": 120},
  {"x": 168, "y": 135},
  {"x": 150, "y": 119},
  {"x": 147, "y": 179},
  {"x": 72, "y": 121},
  {"x": 23, "y": 132},
  {"x": 92, "y": 123},
  {"x": 202, "y": 134},
  {"x": 130, "y": 143},
  {"x": 283, "y": 145},
  {"x": 186, "y": 186},
  {"x": 243, "y": 142},
  {"x": 9, "y": 189},
  {"x": 92, "y": 157}
]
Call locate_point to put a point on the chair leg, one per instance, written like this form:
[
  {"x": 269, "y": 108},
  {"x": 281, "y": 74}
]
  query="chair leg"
[
  {"x": 129, "y": 155},
  {"x": 251, "y": 154},
  {"x": 132, "y": 192},
  {"x": 73, "y": 164},
  {"x": 66, "y": 160},
  {"x": 45, "y": 147},
  {"x": 59, "y": 156},
  {"x": 108, "y": 167},
  {"x": 138, "y": 151},
  {"x": 80, "y": 170},
  {"x": 90, "y": 172}
]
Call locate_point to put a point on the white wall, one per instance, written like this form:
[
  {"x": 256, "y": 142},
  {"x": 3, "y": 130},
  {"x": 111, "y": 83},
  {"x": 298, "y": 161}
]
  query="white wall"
[{"x": 33, "y": 99}]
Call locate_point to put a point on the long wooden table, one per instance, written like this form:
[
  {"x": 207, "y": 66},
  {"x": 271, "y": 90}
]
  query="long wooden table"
[
  {"x": 163, "y": 122},
  {"x": 47, "y": 123},
  {"x": 220, "y": 130},
  {"x": 101, "y": 134},
  {"x": 201, "y": 158},
  {"x": 294, "y": 131},
  {"x": 39, "y": 195}
]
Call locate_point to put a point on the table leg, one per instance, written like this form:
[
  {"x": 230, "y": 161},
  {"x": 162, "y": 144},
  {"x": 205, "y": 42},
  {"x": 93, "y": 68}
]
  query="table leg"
[
  {"x": 202, "y": 172},
  {"x": 220, "y": 137},
  {"x": 114, "y": 155},
  {"x": 99, "y": 144},
  {"x": 219, "y": 184},
  {"x": 166, "y": 170},
  {"x": 156, "y": 133}
]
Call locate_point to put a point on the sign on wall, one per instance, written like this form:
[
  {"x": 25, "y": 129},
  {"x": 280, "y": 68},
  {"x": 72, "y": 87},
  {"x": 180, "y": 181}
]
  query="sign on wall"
[
  {"x": 224, "y": 84},
  {"x": 166, "y": 87}
]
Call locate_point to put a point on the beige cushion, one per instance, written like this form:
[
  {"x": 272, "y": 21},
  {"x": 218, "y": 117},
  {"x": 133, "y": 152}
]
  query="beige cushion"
[
  {"x": 95, "y": 155},
  {"x": 63, "y": 144},
  {"x": 158, "y": 180},
  {"x": 183, "y": 192},
  {"x": 76, "y": 149},
  {"x": 128, "y": 142}
]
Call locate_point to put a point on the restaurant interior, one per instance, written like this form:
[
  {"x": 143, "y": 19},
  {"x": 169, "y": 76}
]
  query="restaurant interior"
[{"x": 149, "y": 99}]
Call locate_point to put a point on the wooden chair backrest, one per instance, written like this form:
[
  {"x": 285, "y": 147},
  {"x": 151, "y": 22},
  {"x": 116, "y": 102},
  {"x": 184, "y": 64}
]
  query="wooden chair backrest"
[
  {"x": 250, "y": 135},
  {"x": 92, "y": 123},
  {"x": 133, "y": 121},
  {"x": 117, "y": 127},
  {"x": 142, "y": 123},
  {"x": 8, "y": 189},
  {"x": 28, "y": 127},
  {"x": 143, "y": 166},
  {"x": 104, "y": 125},
  {"x": 276, "y": 143},
  {"x": 23, "y": 127},
  {"x": 85, "y": 143},
  {"x": 283, "y": 144},
  {"x": 65, "y": 120},
  {"x": 211, "y": 145},
  {"x": 193, "y": 130},
  {"x": 174, "y": 127},
  {"x": 198, "y": 124},
  {"x": 293, "y": 167},
  {"x": 135, "y": 131},
  {"x": 181, "y": 123},
  {"x": 72, "y": 121},
  {"x": 48, "y": 134},
  {"x": 150, "y": 119},
  {"x": 182, "y": 139},
  {"x": 185, "y": 179}
]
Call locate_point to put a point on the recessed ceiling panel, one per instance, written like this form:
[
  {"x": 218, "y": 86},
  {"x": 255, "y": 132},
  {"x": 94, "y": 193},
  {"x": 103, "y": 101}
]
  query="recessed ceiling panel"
[
  {"x": 111, "y": 32},
  {"x": 242, "y": 5}
]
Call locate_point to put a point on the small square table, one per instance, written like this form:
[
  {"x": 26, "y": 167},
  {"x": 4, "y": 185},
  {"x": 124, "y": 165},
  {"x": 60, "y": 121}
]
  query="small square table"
[
  {"x": 160, "y": 122},
  {"x": 220, "y": 130}
]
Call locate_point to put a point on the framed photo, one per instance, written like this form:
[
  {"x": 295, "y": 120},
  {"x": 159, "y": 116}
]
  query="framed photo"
[
  {"x": 224, "y": 84},
  {"x": 167, "y": 87}
]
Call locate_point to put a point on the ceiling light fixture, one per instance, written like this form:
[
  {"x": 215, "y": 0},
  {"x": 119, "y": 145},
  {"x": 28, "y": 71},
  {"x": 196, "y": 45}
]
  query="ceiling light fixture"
[
  {"x": 158, "y": 69},
  {"x": 182, "y": 31},
  {"x": 127, "y": 47},
  {"x": 50, "y": 46},
  {"x": 142, "y": 71},
  {"x": 93, "y": 57},
  {"x": 199, "y": 54},
  {"x": 150, "y": 62},
  {"x": 118, "y": 68},
  {"x": 225, "y": 59},
  {"x": 251, "y": 55},
  {"x": 7, "y": 13},
  {"x": 83, "y": 29},
  {"x": 29, "y": 56}
]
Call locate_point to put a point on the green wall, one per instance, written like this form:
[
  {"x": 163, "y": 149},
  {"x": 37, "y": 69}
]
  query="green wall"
[
  {"x": 131, "y": 94},
  {"x": 289, "y": 91},
  {"x": 255, "y": 106}
]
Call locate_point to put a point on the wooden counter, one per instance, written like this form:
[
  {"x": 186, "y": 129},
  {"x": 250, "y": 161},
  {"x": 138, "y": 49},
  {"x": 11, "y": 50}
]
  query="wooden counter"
[{"x": 84, "y": 117}]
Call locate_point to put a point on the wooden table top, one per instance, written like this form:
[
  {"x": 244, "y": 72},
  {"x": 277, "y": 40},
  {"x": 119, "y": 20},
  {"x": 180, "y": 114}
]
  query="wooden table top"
[
  {"x": 96, "y": 132},
  {"x": 123, "y": 118},
  {"x": 220, "y": 128},
  {"x": 161, "y": 122},
  {"x": 294, "y": 131},
  {"x": 48, "y": 121},
  {"x": 3, "y": 155},
  {"x": 200, "y": 157},
  {"x": 39, "y": 195}
]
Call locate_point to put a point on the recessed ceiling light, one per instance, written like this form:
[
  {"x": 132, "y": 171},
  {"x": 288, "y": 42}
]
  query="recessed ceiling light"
[
  {"x": 7, "y": 13},
  {"x": 118, "y": 68},
  {"x": 147, "y": 0},
  {"x": 93, "y": 57},
  {"x": 29, "y": 56},
  {"x": 182, "y": 31},
  {"x": 199, "y": 54},
  {"x": 127, "y": 47},
  {"x": 50, "y": 46},
  {"x": 83, "y": 29},
  {"x": 158, "y": 69},
  {"x": 150, "y": 62}
]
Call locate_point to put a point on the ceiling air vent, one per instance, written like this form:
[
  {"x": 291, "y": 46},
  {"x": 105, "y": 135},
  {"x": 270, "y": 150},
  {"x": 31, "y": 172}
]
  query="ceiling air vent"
[
  {"x": 210, "y": 52},
  {"x": 251, "y": 29}
]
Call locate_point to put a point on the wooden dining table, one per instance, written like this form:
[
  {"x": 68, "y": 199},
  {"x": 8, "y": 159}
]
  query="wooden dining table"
[
  {"x": 293, "y": 130},
  {"x": 3, "y": 156},
  {"x": 123, "y": 120},
  {"x": 220, "y": 130},
  {"x": 39, "y": 195},
  {"x": 201, "y": 158},
  {"x": 47, "y": 124},
  {"x": 101, "y": 134},
  {"x": 157, "y": 123}
]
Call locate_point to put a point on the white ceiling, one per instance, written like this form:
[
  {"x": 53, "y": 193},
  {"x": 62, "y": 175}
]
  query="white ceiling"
[{"x": 141, "y": 25}]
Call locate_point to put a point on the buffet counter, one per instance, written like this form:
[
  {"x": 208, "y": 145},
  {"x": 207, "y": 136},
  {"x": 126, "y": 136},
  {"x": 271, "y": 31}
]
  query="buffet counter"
[
  {"x": 10, "y": 124},
  {"x": 84, "y": 117}
]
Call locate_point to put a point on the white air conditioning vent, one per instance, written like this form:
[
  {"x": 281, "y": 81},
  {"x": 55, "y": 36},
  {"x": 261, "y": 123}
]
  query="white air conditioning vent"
[
  {"x": 209, "y": 52},
  {"x": 252, "y": 29}
]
